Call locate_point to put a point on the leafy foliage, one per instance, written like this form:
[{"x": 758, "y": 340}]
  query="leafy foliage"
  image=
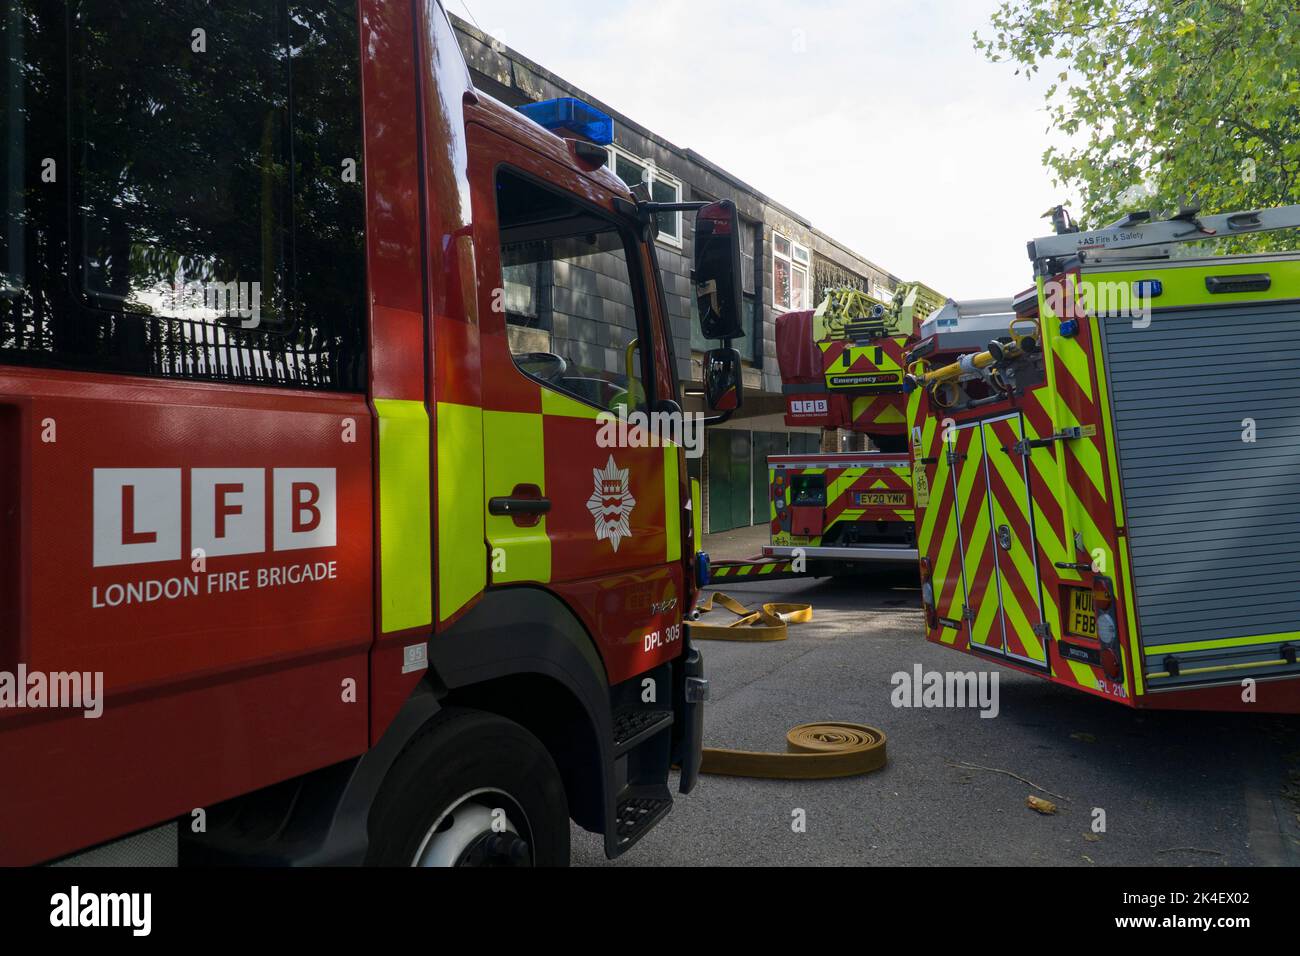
[{"x": 1153, "y": 102}]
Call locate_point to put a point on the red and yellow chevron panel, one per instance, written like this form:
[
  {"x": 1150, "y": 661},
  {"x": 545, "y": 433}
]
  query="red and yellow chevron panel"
[
  {"x": 975, "y": 542},
  {"x": 1014, "y": 552},
  {"x": 998, "y": 521},
  {"x": 850, "y": 493},
  {"x": 884, "y": 414},
  {"x": 875, "y": 364}
]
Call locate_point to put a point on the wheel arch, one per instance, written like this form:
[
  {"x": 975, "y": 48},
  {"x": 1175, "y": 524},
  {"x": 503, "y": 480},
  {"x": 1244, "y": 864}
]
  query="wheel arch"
[{"x": 521, "y": 654}]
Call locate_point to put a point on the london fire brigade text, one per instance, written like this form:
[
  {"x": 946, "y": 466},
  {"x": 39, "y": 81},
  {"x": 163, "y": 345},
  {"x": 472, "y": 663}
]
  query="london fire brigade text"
[{"x": 222, "y": 582}]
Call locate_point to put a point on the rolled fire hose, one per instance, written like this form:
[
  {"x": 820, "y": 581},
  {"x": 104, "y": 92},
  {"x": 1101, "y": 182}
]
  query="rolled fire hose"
[{"x": 816, "y": 751}]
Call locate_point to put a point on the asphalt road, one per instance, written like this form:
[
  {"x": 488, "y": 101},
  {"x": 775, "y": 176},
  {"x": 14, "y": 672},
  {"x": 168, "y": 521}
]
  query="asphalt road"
[{"x": 1178, "y": 789}]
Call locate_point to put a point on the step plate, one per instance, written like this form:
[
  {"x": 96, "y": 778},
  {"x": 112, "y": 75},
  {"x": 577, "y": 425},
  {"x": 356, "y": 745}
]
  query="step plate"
[
  {"x": 630, "y": 726},
  {"x": 637, "y": 815}
]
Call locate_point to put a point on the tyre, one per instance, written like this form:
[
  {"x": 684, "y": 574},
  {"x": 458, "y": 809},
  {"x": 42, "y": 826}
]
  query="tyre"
[{"x": 471, "y": 789}]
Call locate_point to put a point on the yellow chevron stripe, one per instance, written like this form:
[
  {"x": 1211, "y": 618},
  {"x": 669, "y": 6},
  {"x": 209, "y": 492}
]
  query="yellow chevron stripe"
[
  {"x": 1075, "y": 361},
  {"x": 1088, "y": 456},
  {"x": 948, "y": 561},
  {"x": 1130, "y": 617},
  {"x": 986, "y": 623},
  {"x": 941, "y": 483},
  {"x": 1057, "y": 414},
  {"x": 1107, "y": 426},
  {"x": 1021, "y": 624},
  {"x": 1084, "y": 675}
]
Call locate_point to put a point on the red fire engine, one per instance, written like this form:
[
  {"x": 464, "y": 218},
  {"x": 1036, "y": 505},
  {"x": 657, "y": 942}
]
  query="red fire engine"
[
  {"x": 842, "y": 367},
  {"x": 309, "y": 551}
]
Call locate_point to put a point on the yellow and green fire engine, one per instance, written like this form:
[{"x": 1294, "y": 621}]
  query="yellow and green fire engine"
[
  {"x": 842, "y": 367},
  {"x": 1110, "y": 484}
]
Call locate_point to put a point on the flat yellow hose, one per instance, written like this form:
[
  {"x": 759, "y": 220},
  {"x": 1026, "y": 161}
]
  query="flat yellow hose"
[
  {"x": 816, "y": 751},
  {"x": 768, "y": 624}
]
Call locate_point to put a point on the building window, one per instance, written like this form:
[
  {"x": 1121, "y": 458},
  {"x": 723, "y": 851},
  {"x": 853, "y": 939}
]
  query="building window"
[
  {"x": 663, "y": 188},
  {"x": 791, "y": 277},
  {"x": 747, "y": 257}
]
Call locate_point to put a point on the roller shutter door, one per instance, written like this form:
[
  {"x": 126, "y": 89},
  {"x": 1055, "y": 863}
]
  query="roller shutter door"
[{"x": 1213, "y": 520}]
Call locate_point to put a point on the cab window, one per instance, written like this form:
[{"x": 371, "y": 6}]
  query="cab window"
[{"x": 569, "y": 294}]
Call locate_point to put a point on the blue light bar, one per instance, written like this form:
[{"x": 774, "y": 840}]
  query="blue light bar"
[{"x": 570, "y": 115}]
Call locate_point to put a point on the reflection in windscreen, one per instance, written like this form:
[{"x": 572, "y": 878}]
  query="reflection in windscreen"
[
  {"x": 567, "y": 295},
  {"x": 182, "y": 202},
  {"x": 183, "y": 181},
  {"x": 11, "y": 164}
]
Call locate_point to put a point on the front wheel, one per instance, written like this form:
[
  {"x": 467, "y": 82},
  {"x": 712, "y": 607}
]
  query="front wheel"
[{"x": 471, "y": 789}]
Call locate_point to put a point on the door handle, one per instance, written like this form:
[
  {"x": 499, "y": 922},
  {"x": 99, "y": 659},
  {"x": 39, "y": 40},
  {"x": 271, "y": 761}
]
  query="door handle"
[{"x": 524, "y": 505}]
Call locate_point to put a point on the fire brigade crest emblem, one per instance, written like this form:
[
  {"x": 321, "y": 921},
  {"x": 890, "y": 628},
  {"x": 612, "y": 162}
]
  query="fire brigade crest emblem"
[{"x": 611, "y": 503}]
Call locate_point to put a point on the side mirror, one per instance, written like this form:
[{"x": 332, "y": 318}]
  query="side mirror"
[
  {"x": 722, "y": 383},
  {"x": 717, "y": 271}
]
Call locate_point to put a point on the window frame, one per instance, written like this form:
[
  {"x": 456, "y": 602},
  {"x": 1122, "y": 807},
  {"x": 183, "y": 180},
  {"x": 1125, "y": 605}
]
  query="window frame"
[
  {"x": 650, "y": 174},
  {"x": 793, "y": 263},
  {"x": 645, "y": 323}
]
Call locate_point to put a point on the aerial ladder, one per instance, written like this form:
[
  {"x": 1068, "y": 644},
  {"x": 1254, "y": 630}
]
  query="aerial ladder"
[{"x": 842, "y": 369}]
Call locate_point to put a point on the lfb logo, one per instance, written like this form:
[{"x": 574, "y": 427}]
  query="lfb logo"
[
  {"x": 139, "y": 512},
  {"x": 811, "y": 406}
]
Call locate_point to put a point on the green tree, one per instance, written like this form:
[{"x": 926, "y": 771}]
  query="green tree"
[{"x": 1155, "y": 101}]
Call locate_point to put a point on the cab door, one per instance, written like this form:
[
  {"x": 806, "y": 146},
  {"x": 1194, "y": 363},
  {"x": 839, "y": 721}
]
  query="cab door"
[{"x": 580, "y": 497}]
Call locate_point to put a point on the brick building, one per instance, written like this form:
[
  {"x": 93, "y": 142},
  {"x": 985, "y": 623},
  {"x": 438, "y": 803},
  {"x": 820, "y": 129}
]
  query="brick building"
[{"x": 787, "y": 264}]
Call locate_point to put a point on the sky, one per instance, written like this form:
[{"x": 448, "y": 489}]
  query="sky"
[{"x": 876, "y": 120}]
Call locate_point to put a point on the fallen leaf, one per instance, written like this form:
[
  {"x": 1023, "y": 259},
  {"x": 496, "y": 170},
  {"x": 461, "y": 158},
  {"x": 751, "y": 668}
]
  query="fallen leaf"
[
  {"x": 1083, "y": 738},
  {"x": 1092, "y": 837},
  {"x": 1039, "y": 804}
]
